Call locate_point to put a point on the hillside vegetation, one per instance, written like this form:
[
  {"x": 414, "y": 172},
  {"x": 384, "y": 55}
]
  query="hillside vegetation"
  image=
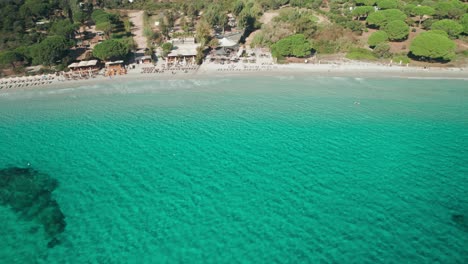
[{"x": 42, "y": 32}]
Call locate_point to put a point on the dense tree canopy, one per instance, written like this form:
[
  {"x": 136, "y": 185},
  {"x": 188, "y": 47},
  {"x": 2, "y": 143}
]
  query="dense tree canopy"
[
  {"x": 202, "y": 32},
  {"x": 381, "y": 18},
  {"x": 433, "y": 46},
  {"x": 63, "y": 28},
  {"x": 110, "y": 50},
  {"x": 26, "y": 24},
  {"x": 295, "y": 45},
  {"x": 422, "y": 11},
  {"x": 362, "y": 11},
  {"x": 50, "y": 50},
  {"x": 449, "y": 9},
  {"x": 397, "y": 30},
  {"x": 387, "y": 4},
  {"x": 464, "y": 22},
  {"x": 167, "y": 47},
  {"x": 9, "y": 58},
  {"x": 365, "y": 2},
  {"x": 377, "y": 38},
  {"x": 453, "y": 28}
]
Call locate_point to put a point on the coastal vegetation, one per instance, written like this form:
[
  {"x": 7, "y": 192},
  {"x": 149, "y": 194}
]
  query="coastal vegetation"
[
  {"x": 110, "y": 50},
  {"x": 433, "y": 46},
  {"x": 51, "y": 32}
]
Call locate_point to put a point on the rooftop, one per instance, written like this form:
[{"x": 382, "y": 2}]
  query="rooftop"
[
  {"x": 184, "y": 47},
  {"x": 83, "y": 64},
  {"x": 114, "y": 62}
]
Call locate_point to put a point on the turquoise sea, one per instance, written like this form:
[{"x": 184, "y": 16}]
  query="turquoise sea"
[{"x": 240, "y": 170}]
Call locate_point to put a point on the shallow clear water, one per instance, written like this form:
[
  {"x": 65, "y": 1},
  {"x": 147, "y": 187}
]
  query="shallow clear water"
[{"x": 254, "y": 170}]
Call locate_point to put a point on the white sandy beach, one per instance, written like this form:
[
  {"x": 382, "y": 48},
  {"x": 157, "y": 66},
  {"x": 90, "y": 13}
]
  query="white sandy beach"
[{"x": 213, "y": 70}]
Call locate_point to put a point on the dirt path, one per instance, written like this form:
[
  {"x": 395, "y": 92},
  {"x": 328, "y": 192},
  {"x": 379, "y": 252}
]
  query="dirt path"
[
  {"x": 265, "y": 19},
  {"x": 136, "y": 17},
  {"x": 268, "y": 16}
]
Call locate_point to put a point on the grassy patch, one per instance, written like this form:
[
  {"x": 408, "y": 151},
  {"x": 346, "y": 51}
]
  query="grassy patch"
[
  {"x": 403, "y": 58},
  {"x": 360, "y": 54}
]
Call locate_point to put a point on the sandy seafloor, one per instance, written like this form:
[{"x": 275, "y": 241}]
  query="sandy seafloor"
[{"x": 254, "y": 169}]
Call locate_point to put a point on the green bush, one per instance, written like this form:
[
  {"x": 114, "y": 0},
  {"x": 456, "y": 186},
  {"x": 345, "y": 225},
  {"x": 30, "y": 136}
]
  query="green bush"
[
  {"x": 295, "y": 45},
  {"x": 397, "y": 30},
  {"x": 110, "y": 50},
  {"x": 387, "y": 4},
  {"x": 365, "y": 2},
  {"x": 167, "y": 47},
  {"x": 464, "y": 23},
  {"x": 453, "y": 28},
  {"x": 377, "y": 38},
  {"x": 381, "y": 18},
  {"x": 440, "y": 32},
  {"x": 382, "y": 50},
  {"x": 403, "y": 58},
  {"x": 433, "y": 46},
  {"x": 360, "y": 54}
]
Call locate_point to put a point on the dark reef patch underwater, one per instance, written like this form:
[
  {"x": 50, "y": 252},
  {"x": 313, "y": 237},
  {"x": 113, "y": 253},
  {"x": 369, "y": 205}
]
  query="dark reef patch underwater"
[{"x": 29, "y": 194}]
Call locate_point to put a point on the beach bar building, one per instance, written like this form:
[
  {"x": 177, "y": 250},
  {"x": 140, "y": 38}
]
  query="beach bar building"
[
  {"x": 184, "y": 51},
  {"x": 115, "y": 68},
  {"x": 85, "y": 68},
  {"x": 144, "y": 59},
  {"x": 228, "y": 47}
]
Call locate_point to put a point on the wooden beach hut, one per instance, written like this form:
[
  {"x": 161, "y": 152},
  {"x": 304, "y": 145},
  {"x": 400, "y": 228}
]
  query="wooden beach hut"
[{"x": 85, "y": 68}]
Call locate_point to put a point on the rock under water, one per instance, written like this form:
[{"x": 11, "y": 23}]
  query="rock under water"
[
  {"x": 29, "y": 194},
  {"x": 460, "y": 221}
]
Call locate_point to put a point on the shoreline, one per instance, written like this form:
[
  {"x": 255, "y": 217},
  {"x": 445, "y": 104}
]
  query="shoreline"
[{"x": 216, "y": 71}]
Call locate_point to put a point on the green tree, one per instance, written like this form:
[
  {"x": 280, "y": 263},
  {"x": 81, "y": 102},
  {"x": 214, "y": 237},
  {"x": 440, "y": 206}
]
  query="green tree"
[
  {"x": 449, "y": 9},
  {"x": 362, "y": 11},
  {"x": 382, "y": 50},
  {"x": 202, "y": 31},
  {"x": 81, "y": 17},
  {"x": 200, "y": 54},
  {"x": 397, "y": 30},
  {"x": 464, "y": 22},
  {"x": 50, "y": 50},
  {"x": 166, "y": 47},
  {"x": 213, "y": 43},
  {"x": 408, "y": 9},
  {"x": 34, "y": 8},
  {"x": 212, "y": 15},
  {"x": 237, "y": 7},
  {"x": 10, "y": 58},
  {"x": 295, "y": 45},
  {"x": 440, "y": 32},
  {"x": 433, "y": 46},
  {"x": 422, "y": 11},
  {"x": 96, "y": 13},
  {"x": 376, "y": 19},
  {"x": 63, "y": 28},
  {"x": 377, "y": 37},
  {"x": 110, "y": 50},
  {"x": 128, "y": 42},
  {"x": 453, "y": 28},
  {"x": 381, "y": 18},
  {"x": 387, "y": 4},
  {"x": 365, "y": 2},
  {"x": 106, "y": 27}
]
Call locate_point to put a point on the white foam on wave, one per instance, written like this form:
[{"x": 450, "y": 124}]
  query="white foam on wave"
[{"x": 285, "y": 77}]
